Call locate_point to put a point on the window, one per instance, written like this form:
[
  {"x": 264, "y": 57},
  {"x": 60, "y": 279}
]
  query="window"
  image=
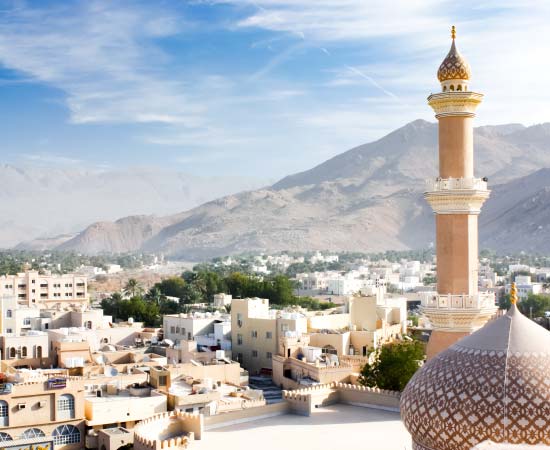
[
  {"x": 172, "y": 330},
  {"x": 269, "y": 355},
  {"x": 183, "y": 331},
  {"x": 329, "y": 349},
  {"x": 239, "y": 320},
  {"x": 5, "y": 437},
  {"x": 162, "y": 380},
  {"x": 254, "y": 353},
  {"x": 39, "y": 351},
  {"x": 27, "y": 321},
  {"x": 177, "y": 330},
  {"x": 4, "y": 415},
  {"x": 66, "y": 434},
  {"x": 33, "y": 281},
  {"x": 89, "y": 324},
  {"x": 239, "y": 339},
  {"x": 268, "y": 335},
  {"x": 9, "y": 330},
  {"x": 32, "y": 433},
  {"x": 65, "y": 406},
  {"x": 254, "y": 334},
  {"x": 9, "y": 314},
  {"x": 23, "y": 352},
  {"x": 13, "y": 352}
]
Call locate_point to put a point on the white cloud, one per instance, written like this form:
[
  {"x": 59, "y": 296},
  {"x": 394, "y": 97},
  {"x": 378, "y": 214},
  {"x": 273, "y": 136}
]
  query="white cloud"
[{"x": 103, "y": 56}]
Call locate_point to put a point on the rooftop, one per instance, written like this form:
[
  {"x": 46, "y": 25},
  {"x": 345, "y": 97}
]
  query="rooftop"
[{"x": 365, "y": 428}]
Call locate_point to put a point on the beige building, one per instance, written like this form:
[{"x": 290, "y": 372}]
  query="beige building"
[
  {"x": 49, "y": 408},
  {"x": 255, "y": 332},
  {"x": 32, "y": 288}
]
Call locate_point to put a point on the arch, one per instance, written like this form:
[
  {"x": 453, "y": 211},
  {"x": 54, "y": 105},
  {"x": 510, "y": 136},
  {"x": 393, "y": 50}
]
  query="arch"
[
  {"x": 452, "y": 87},
  {"x": 30, "y": 433},
  {"x": 66, "y": 434},
  {"x": 65, "y": 406},
  {"x": 329, "y": 349},
  {"x": 9, "y": 314},
  {"x": 39, "y": 351},
  {"x": 444, "y": 88},
  {"x": 5, "y": 437},
  {"x": 13, "y": 352},
  {"x": 4, "y": 415},
  {"x": 459, "y": 87},
  {"x": 23, "y": 352}
]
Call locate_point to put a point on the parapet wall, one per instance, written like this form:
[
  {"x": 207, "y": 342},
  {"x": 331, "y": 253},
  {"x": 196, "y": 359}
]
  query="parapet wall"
[
  {"x": 170, "y": 430},
  {"x": 304, "y": 401}
]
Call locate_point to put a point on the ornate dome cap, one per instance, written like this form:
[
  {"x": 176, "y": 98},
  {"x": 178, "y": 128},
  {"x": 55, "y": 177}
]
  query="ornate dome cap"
[
  {"x": 493, "y": 385},
  {"x": 454, "y": 66}
]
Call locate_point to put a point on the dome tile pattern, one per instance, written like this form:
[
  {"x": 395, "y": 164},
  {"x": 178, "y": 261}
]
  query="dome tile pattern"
[
  {"x": 454, "y": 66},
  {"x": 493, "y": 385}
]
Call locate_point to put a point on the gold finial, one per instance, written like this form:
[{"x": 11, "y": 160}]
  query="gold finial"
[
  {"x": 513, "y": 294},
  {"x": 453, "y": 32}
]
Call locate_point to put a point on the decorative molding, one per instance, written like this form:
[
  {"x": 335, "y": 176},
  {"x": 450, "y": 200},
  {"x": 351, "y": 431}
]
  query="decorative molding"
[
  {"x": 457, "y": 201},
  {"x": 455, "y": 103}
]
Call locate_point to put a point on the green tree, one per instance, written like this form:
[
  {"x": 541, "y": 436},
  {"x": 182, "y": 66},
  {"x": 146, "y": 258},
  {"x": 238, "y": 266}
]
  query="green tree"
[
  {"x": 393, "y": 366},
  {"x": 132, "y": 288},
  {"x": 172, "y": 287}
]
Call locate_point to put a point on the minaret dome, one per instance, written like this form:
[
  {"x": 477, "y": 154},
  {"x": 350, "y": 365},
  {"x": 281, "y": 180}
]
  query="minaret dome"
[{"x": 454, "y": 72}]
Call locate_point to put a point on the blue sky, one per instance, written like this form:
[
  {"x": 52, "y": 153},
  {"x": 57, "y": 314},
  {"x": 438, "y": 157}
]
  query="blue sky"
[{"x": 249, "y": 87}]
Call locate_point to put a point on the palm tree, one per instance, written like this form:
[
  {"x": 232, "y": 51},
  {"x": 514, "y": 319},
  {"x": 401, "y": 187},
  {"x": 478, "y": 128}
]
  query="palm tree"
[
  {"x": 133, "y": 288},
  {"x": 155, "y": 295}
]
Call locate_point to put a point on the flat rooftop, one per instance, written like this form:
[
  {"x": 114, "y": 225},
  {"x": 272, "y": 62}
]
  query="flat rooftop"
[{"x": 330, "y": 428}]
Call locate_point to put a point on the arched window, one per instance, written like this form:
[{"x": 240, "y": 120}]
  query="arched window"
[
  {"x": 9, "y": 314},
  {"x": 13, "y": 352},
  {"x": 459, "y": 87},
  {"x": 4, "y": 414},
  {"x": 65, "y": 406},
  {"x": 444, "y": 88},
  {"x": 329, "y": 349},
  {"x": 66, "y": 434},
  {"x": 32, "y": 433},
  {"x": 89, "y": 324},
  {"x": 39, "y": 351},
  {"x": 23, "y": 352},
  {"x": 452, "y": 88},
  {"x": 5, "y": 437}
]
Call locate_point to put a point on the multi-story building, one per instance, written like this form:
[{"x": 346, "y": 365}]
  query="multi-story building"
[
  {"x": 47, "y": 411},
  {"x": 255, "y": 332},
  {"x": 45, "y": 290}
]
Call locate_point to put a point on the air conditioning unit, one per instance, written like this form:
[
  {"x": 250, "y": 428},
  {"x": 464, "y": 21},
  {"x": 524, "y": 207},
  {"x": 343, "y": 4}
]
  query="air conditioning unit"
[{"x": 21, "y": 405}]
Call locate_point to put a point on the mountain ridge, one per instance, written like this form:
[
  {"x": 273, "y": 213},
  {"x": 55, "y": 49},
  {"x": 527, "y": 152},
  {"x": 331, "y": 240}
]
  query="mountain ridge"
[{"x": 368, "y": 198}]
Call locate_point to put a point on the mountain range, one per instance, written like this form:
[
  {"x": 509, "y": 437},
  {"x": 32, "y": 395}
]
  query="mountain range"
[
  {"x": 43, "y": 201},
  {"x": 366, "y": 199}
]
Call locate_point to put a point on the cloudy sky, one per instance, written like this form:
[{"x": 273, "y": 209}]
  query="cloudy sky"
[{"x": 249, "y": 87}]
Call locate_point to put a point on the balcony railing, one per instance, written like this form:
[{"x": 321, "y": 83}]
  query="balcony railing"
[
  {"x": 447, "y": 184},
  {"x": 456, "y": 302}
]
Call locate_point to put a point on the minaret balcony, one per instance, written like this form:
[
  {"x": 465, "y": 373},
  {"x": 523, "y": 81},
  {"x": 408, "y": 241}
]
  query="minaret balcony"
[
  {"x": 458, "y": 312},
  {"x": 456, "y": 195}
]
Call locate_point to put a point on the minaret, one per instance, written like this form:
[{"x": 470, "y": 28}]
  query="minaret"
[{"x": 456, "y": 197}]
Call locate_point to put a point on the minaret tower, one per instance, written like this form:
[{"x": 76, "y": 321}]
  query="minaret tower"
[{"x": 456, "y": 197}]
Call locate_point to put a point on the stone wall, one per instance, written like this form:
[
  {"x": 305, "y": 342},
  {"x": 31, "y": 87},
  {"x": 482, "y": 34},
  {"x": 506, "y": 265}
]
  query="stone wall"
[
  {"x": 172, "y": 430},
  {"x": 305, "y": 401}
]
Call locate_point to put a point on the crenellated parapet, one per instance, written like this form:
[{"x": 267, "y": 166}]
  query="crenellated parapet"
[{"x": 168, "y": 430}]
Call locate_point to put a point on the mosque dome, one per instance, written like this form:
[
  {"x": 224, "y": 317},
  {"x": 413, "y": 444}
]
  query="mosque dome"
[
  {"x": 493, "y": 385},
  {"x": 454, "y": 66}
]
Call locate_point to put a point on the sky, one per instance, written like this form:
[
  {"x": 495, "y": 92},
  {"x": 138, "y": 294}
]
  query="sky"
[{"x": 261, "y": 88}]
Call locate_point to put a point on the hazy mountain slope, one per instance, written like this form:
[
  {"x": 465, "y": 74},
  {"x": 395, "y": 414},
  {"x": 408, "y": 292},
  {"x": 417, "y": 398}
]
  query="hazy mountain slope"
[
  {"x": 368, "y": 199},
  {"x": 45, "y": 201}
]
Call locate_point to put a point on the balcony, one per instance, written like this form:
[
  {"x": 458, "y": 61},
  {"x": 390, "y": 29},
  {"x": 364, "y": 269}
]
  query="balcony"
[
  {"x": 456, "y": 195},
  {"x": 447, "y": 184},
  {"x": 449, "y": 301},
  {"x": 458, "y": 312}
]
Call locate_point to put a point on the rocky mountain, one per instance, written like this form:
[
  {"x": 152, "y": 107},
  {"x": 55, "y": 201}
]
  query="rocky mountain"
[
  {"x": 38, "y": 201},
  {"x": 366, "y": 199}
]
